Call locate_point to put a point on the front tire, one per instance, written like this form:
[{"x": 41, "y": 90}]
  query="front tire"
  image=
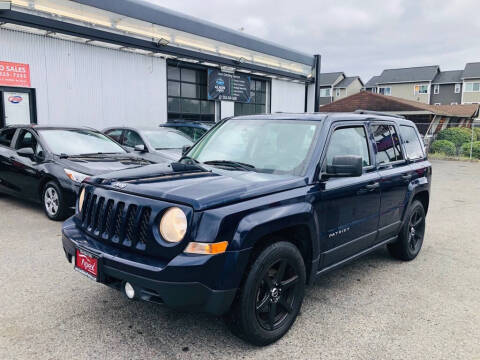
[
  {"x": 410, "y": 238},
  {"x": 54, "y": 202},
  {"x": 271, "y": 295}
]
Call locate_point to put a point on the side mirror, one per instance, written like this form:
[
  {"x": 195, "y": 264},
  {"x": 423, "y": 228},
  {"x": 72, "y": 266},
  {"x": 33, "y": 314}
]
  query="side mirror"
[
  {"x": 185, "y": 149},
  {"x": 140, "y": 148},
  {"x": 345, "y": 165},
  {"x": 26, "y": 152}
]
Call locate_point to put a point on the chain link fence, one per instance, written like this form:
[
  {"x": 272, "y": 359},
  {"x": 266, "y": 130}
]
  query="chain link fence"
[{"x": 452, "y": 140}]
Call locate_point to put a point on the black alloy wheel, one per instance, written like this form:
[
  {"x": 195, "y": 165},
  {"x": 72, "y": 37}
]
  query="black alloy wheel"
[
  {"x": 410, "y": 238},
  {"x": 270, "y": 297},
  {"x": 276, "y": 294}
]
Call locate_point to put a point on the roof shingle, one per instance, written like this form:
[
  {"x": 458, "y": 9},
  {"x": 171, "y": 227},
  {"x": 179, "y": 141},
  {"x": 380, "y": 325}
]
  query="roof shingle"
[
  {"x": 413, "y": 74},
  {"x": 472, "y": 71},
  {"x": 448, "y": 77},
  {"x": 347, "y": 81},
  {"x": 328, "y": 79},
  {"x": 366, "y": 100}
]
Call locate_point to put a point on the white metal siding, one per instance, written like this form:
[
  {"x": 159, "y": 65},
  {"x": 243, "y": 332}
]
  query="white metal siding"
[
  {"x": 79, "y": 84},
  {"x": 287, "y": 96}
]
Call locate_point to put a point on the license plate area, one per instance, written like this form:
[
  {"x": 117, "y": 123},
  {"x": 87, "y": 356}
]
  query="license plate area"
[{"x": 87, "y": 264}]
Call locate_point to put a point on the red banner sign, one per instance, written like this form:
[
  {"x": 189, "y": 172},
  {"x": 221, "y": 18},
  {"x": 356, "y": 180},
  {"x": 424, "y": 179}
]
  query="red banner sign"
[{"x": 14, "y": 74}]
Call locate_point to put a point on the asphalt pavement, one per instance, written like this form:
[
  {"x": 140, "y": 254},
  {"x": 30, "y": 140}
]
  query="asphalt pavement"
[{"x": 374, "y": 308}]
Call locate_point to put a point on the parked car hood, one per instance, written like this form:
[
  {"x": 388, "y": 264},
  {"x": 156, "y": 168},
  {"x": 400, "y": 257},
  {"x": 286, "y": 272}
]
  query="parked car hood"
[
  {"x": 172, "y": 154},
  {"x": 212, "y": 187},
  {"x": 96, "y": 165}
]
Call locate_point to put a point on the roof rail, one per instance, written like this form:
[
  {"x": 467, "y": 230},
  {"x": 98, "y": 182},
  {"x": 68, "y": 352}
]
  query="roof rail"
[{"x": 360, "y": 111}]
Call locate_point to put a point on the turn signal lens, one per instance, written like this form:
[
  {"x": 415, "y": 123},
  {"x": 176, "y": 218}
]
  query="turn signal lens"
[
  {"x": 81, "y": 198},
  {"x": 206, "y": 248},
  {"x": 173, "y": 225}
]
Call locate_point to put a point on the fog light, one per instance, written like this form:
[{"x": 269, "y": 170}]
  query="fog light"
[{"x": 129, "y": 290}]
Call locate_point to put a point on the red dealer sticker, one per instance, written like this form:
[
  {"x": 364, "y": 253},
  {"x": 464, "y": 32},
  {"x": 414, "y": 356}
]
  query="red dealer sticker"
[
  {"x": 14, "y": 74},
  {"x": 86, "y": 264}
]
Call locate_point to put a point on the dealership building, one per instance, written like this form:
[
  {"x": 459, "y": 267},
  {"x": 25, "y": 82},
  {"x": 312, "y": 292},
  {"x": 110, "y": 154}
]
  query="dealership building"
[{"x": 129, "y": 62}]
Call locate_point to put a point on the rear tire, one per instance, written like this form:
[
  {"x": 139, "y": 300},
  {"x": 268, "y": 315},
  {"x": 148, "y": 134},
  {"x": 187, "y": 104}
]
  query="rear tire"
[
  {"x": 270, "y": 298},
  {"x": 53, "y": 202},
  {"x": 410, "y": 238}
]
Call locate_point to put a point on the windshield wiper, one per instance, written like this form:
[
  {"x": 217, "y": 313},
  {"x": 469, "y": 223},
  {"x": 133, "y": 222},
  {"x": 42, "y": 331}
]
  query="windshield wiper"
[{"x": 233, "y": 164}]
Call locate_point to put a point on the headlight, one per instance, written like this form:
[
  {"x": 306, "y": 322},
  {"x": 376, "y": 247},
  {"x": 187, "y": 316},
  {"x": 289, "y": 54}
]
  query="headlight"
[
  {"x": 173, "y": 225},
  {"x": 81, "y": 198},
  {"x": 75, "y": 176}
]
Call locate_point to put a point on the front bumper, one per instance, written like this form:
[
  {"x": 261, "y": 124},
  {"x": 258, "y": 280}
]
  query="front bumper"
[{"x": 177, "y": 284}]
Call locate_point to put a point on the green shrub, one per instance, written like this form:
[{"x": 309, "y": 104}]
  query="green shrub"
[
  {"x": 475, "y": 150},
  {"x": 477, "y": 132},
  {"x": 458, "y": 136},
  {"x": 443, "y": 146}
]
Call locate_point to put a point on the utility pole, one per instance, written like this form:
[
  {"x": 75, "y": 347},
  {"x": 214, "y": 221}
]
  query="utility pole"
[{"x": 318, "y": 60}]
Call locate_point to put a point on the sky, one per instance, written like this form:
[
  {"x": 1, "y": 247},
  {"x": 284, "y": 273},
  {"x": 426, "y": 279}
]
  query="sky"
[{"x": 358, "y": 37}]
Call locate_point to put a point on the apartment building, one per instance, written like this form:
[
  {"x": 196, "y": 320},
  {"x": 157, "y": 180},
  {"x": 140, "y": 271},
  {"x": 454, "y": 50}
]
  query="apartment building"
[
  {"x": 471, "y": 84},
  {"x": 430, "y": 85},
  {"x": 336, "y": 85}
]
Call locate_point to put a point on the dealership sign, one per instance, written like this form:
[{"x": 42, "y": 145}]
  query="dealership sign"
[
  {"x": 226, "y": 86},
  {"x": 14, "y": 74}
]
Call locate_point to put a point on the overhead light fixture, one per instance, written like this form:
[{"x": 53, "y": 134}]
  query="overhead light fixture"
[
  {"x": 105, "y": 44},
  {"x": 193, "y": 61},
  {"x": 22, "y": 28},
  {"x": 194, "y": 44},
  {"x": 71, "y": 15},
  {"x": 231, "y": 54},
  {"x": 136, "y": 51},
  {"x": 135, "y": 30},
  {"x": 244, "y": 71},
  {"x": 67, "y": 37},
  {"x": 266, "y": 62},
  {"x": 258, "y": 74},
  {"x": 228, "y": 69},
  {"x": 206, "y": 63},
  {"x": 165, "y": 56}
]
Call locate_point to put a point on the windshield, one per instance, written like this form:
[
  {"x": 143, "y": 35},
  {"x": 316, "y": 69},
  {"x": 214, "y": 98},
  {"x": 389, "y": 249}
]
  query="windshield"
[
  {"x": 78, "y": 141},
  {"x": 167, "y": 139},
  {"x": 272, "y": 146}
]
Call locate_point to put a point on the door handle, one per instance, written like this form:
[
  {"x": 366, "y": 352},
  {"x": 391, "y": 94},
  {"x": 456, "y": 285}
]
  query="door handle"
[
  {"x": 406, "y": 177},
  {"x": 373, "y": 186}
]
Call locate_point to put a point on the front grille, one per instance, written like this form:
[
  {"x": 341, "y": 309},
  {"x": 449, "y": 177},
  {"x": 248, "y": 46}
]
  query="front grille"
[{"x": 123, "y": 224}]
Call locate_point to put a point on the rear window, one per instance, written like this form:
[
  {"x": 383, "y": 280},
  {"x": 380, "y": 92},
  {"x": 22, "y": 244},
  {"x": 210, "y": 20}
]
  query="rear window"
[
  {"x": 388, "y": 144},
  {"x": 412, "y": 143},
  {"x": 6, "y": 137}
]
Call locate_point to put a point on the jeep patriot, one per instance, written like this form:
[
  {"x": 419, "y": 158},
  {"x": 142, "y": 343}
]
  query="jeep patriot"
[{"x": 255, "y": 211}]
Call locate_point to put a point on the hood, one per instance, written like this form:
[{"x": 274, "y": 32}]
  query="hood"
[
  {"x": 201, "y": 189},
  {"x": 101, "y": 165},
  {"x": 171, "y": 154}
]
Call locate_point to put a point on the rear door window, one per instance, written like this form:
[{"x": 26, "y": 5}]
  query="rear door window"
[
  {"x": 388, "y": 144},
  {"x": 412, "y": 143},
  {"x": 6, "y": 137}
]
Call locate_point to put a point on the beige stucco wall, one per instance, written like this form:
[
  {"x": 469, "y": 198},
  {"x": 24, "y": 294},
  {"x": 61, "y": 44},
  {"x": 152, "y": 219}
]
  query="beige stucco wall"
[
  {"x": 469, "y": 97},
  {"x": 407, "y": 91},
  {"x": 353, "y": 88}
]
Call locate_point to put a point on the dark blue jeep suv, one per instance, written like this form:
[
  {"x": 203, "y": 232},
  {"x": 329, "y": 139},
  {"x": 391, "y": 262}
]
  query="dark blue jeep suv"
[{"x": 256, "y": 210}]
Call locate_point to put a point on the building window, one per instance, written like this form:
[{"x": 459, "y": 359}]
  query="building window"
[
  {"x": 374, "y": 90},
  {"x": 458, "y": 88},
  {"x": 436, "y": 89},
  {"x": 325, "y": 92},
  {"x": 385, "y": 90},
  {"x": 472, "y": 87},
  {"x": 187, "y": 95},
  {"x": 258, "y": 100},
  {"x": 337, "y": 92},
  {"x": 421, "y": 89}
]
